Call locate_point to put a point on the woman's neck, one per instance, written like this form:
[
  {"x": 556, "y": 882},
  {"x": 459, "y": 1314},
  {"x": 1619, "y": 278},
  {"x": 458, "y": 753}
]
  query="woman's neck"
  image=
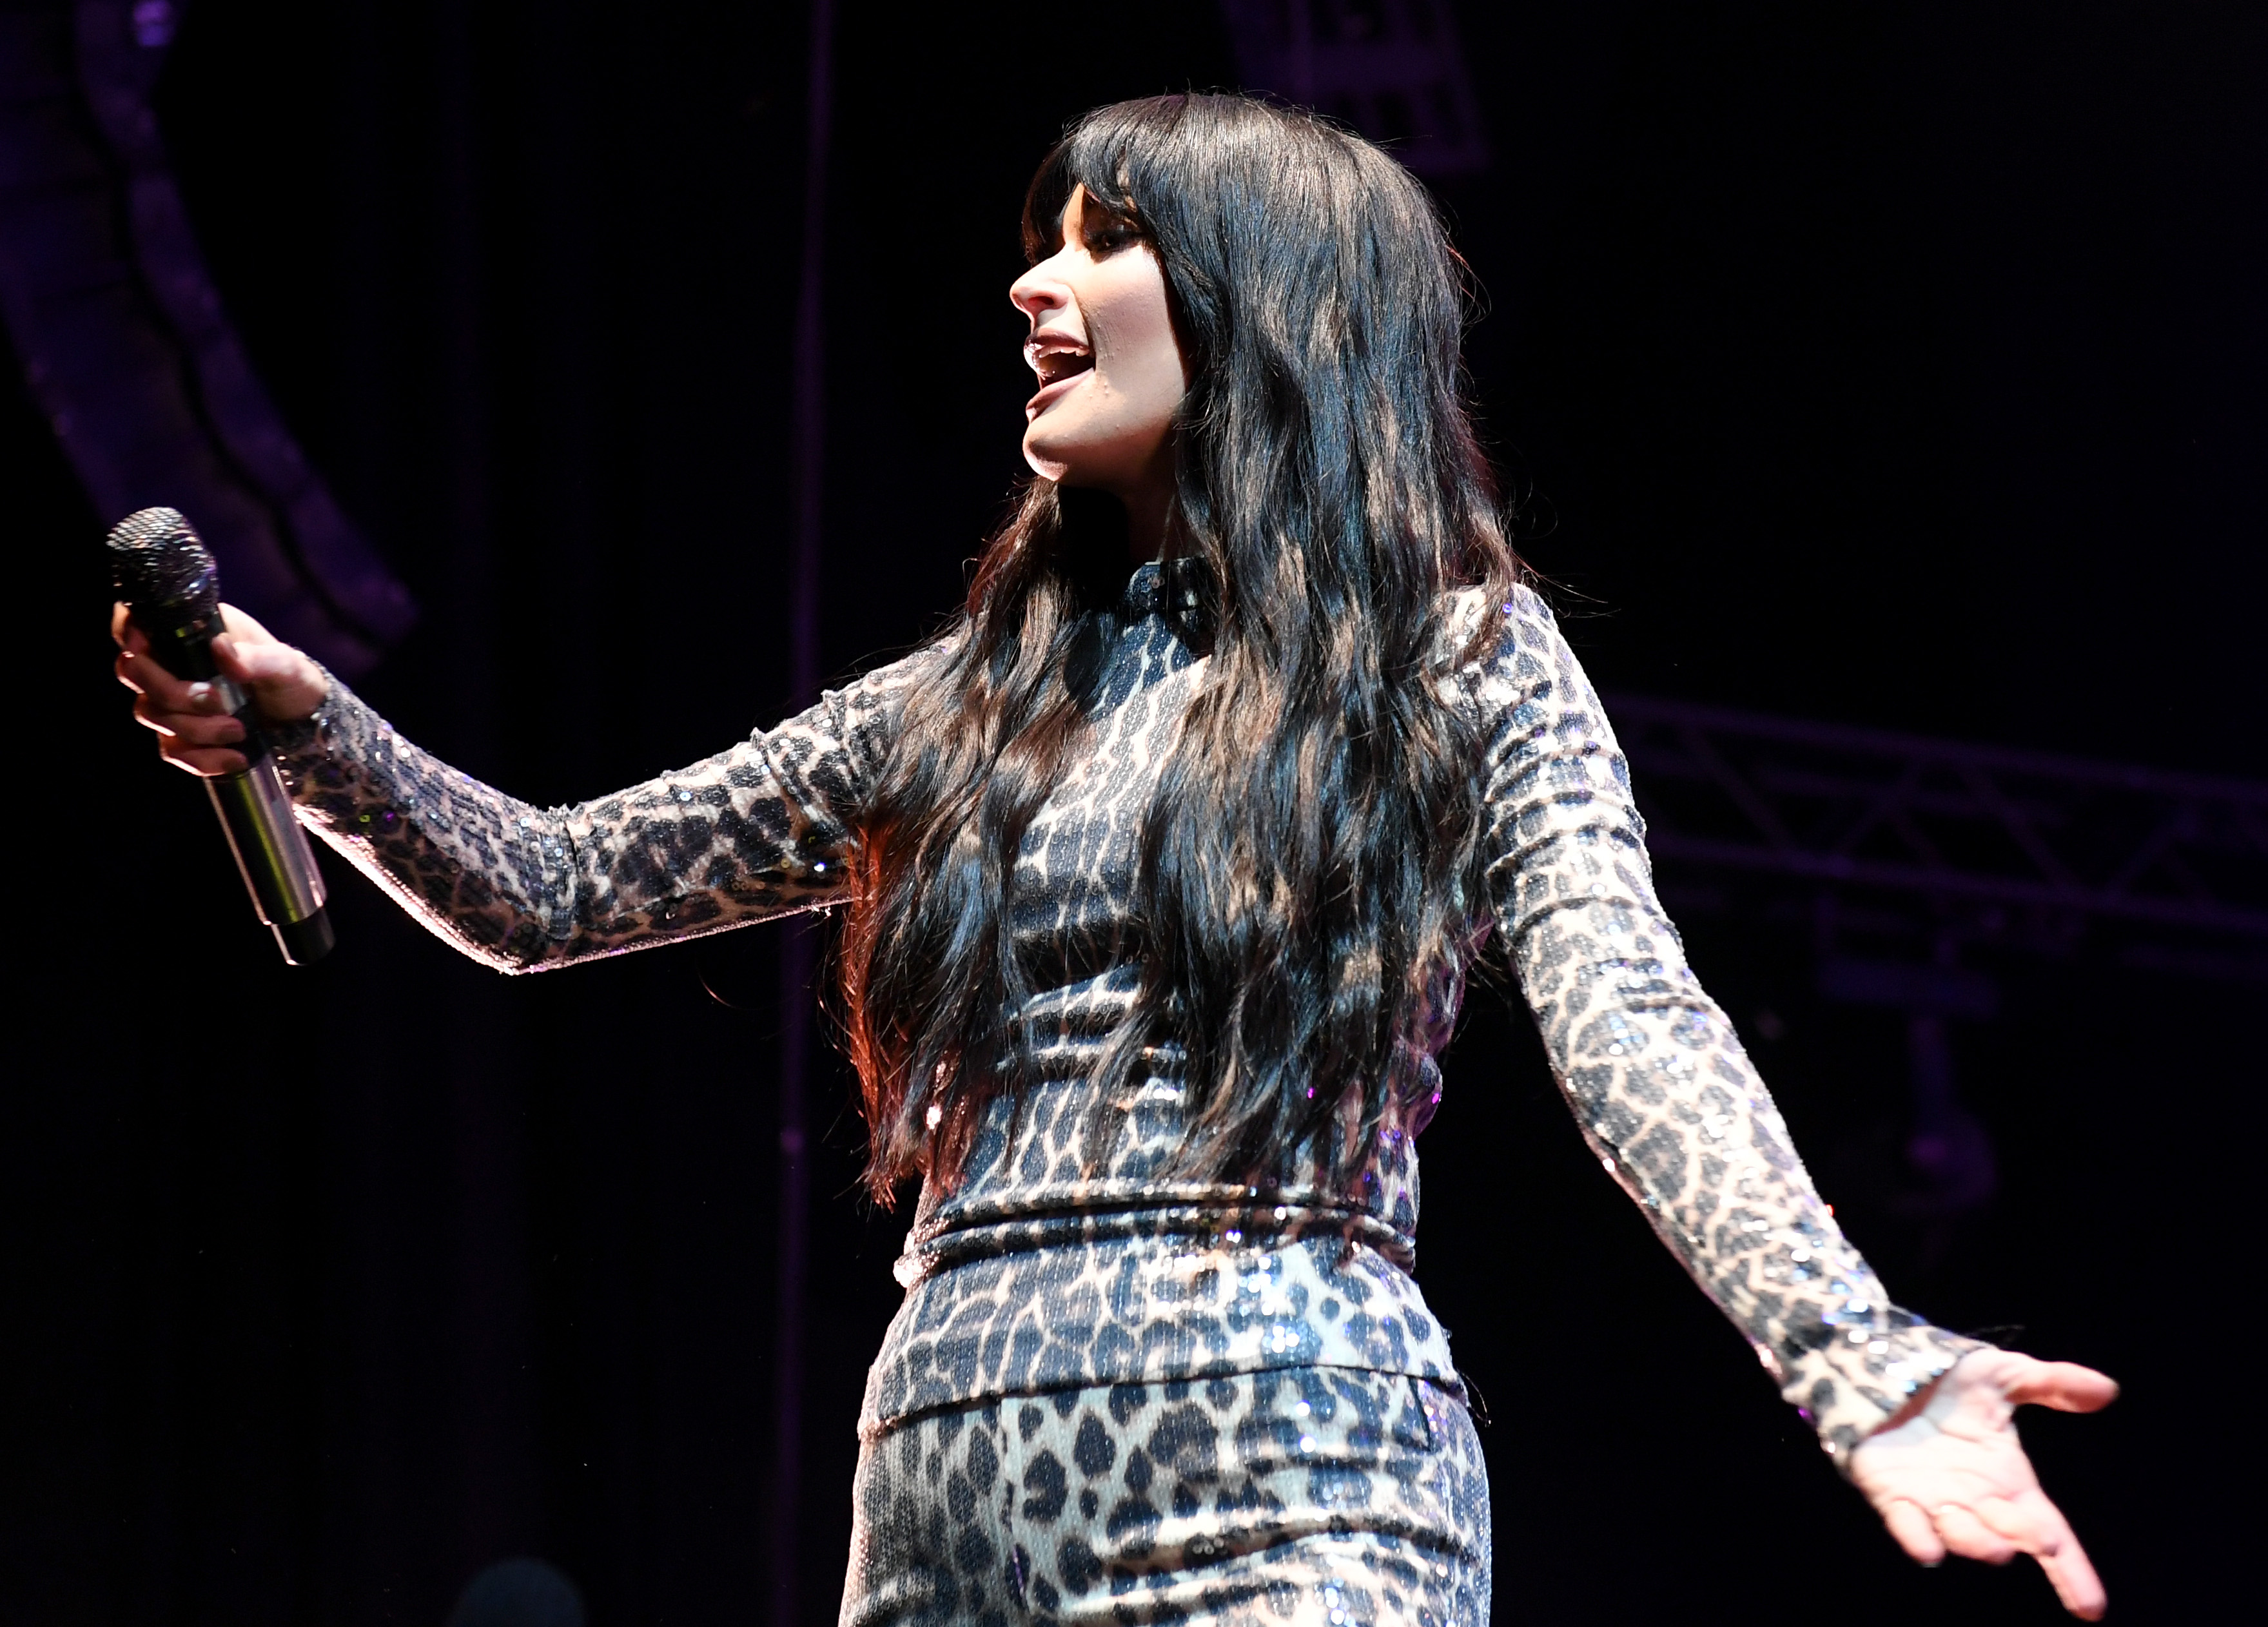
[
  {"x": 1149, "y": 513},
  {"x": 1150, "y": 507}
]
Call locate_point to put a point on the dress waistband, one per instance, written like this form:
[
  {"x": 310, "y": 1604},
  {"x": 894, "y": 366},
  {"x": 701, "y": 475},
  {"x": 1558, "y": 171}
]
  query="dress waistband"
[
  {"x": 1211, "y": 1225},
  {"x": 1159, "y": 1305}
]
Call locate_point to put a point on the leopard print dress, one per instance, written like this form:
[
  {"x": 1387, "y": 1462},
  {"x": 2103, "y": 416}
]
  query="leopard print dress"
[{"x": 1114, "y": 1395}]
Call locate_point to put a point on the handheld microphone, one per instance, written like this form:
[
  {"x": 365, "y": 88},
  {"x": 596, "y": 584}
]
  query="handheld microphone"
[{"x": 172, "y": 589}]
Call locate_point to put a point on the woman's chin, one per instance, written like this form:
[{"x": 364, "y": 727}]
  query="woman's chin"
[
  {"x": 1072, "y": 460},
  {"x": 1056, "y": 457}
]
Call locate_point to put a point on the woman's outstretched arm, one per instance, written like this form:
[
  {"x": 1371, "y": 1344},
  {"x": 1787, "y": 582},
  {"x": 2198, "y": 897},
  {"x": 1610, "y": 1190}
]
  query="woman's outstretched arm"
[
  {"x": 1677, "y": 1113},
  {"x": 760, "y": 830}
]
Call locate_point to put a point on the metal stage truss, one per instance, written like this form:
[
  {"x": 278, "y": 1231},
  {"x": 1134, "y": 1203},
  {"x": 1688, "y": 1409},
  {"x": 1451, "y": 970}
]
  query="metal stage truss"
[{"x": 1901, "y": 857}]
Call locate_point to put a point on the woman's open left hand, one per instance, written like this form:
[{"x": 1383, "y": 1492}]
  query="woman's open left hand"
[{"x": 1949, "y": 1477}]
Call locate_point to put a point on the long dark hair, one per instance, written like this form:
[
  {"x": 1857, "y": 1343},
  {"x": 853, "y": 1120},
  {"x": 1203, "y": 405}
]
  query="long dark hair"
[{"x": 1307, "y": 882}]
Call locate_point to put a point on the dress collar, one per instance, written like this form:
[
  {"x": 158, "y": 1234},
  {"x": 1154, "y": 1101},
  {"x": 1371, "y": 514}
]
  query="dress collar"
[{"x": 1158, "y": 586}]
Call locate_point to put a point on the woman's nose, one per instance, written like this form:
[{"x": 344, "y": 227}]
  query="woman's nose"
[{"x": 1037, "y": 294}]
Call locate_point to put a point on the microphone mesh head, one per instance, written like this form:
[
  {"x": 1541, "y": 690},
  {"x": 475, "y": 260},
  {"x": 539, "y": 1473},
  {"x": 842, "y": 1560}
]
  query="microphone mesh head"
[{"x": 157, "y": 559}]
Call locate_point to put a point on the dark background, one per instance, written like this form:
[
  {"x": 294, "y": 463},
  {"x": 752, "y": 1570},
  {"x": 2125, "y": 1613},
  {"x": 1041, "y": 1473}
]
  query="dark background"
[{"x": 1898, "y": 364}]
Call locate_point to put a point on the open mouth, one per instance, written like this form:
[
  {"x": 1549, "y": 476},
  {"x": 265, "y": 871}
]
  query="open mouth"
[
  {"x": 1059, "y": 368},
  {"x": 1054, "y": 367}
]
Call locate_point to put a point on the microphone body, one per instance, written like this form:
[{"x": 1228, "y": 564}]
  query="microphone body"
[{"x": 172, "y": 588}]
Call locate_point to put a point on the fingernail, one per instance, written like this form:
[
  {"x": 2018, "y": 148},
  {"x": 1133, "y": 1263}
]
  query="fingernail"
[{"x": 200, "y": 693}]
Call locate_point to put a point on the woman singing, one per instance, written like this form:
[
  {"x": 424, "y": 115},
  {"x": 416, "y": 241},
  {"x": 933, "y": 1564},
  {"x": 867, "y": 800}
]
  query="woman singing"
[{"x": 1161, "y": 869}]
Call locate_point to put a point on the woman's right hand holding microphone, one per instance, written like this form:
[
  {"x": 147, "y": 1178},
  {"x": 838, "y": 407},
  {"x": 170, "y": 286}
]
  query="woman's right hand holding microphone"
[{"x": 192, "y": 722}]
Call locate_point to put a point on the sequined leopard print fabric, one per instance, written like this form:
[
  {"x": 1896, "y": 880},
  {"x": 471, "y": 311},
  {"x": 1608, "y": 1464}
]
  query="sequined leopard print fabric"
[
  {"x": 1064, "y": 1256},
  {"x": 1063, "y": 1259},
  {"x": 757, "y": 831},
  {"x": 1656, "y": 1076},
  {"x": 1308, "y": 1497}
]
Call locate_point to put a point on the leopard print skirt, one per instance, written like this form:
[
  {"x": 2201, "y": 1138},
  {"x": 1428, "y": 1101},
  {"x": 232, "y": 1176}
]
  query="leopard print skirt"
[{"x": 1306, "y": 1495}]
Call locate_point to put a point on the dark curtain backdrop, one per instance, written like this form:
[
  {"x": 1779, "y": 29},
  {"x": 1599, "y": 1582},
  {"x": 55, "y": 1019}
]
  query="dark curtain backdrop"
[{"x": 1895, "y": 364}]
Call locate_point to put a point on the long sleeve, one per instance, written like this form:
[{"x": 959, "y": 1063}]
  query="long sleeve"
[
  {"x": 760, "y": 830},
  {"x": 1652, "y": 1069}
]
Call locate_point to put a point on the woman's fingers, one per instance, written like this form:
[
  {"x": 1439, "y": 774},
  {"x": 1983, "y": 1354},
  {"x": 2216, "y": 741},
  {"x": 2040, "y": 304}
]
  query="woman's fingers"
[
  {"x": 2072, "y": 1574},
  {"x": 256, "y": 666},
  {"x": 194, "y": 733},
  {"x": 1996, "y": 1530},
  {"x": 198, "y": 746},
  {"x": 194, "y": 730},
  {"x": 2064, "y": 1384},
  {"x": 2026, "y": 1381},
  {"x": 123, "y": 629},
  {"x": 231, "y": 658},
  {"x": 191, "y": 728},
  {"x": 2028, "y": 1519},
  {"x": 1952, "y": 1478},
  {"x": 1915, "y": 1531},
  {"x": 165, "y": 692},
  {"x": 243, "y": 628},
  {"x": 1964, "y": 1534},
  {"x": 2037, "y": 1526},
  {"x": 145, "y": 677},
  {"x": 287, "y": 684}
]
